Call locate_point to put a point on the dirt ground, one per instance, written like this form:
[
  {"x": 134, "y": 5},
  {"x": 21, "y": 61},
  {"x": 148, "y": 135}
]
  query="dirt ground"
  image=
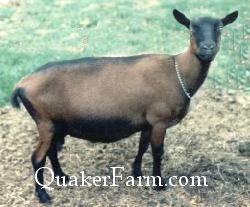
[{"x": 211, "y": 141}]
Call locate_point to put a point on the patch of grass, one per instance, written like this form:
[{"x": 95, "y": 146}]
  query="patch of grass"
[{"x": 35, "y": 32}]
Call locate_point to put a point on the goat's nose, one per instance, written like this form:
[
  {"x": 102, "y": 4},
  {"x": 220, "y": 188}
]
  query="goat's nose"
[{"x": 207, "y": 46}]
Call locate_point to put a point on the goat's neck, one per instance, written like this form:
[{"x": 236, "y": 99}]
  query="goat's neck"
[{"x": 192, "y": 70}]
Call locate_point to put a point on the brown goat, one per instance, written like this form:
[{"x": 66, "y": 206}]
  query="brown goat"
[{"x": 109, "y": 98}]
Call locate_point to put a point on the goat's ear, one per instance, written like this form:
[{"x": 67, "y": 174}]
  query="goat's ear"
[
  {"x": 230, "y": 18},
  {"x": 181, "y": 18}
]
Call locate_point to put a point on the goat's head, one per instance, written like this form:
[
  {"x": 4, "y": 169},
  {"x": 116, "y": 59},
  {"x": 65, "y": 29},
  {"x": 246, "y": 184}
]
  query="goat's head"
[{"x": 205, "y": 33}]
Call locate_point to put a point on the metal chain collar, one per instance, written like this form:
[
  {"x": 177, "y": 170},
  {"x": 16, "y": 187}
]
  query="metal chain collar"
[{"x": 184, "y": 88}]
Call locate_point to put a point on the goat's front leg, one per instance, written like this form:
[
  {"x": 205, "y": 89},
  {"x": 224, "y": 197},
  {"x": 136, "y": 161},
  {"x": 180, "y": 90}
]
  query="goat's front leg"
[
  {"x": 143, "y": 146},
  {"x": 157, "y": 144}
]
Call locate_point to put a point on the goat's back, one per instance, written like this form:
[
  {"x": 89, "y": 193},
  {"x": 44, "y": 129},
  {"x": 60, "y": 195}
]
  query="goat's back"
[{"x": 105, "y": 87}]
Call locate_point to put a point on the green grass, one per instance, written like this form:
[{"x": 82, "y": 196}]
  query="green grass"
[{"x": 35, "y": 32}]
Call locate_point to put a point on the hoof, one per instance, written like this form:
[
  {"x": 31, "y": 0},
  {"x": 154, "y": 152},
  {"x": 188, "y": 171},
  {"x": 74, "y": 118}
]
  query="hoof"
[
  {"x": 136, "y": 173},
  {"x": 136, "y": 170},
  {"x": 43, "y": 196},
  {"x": 160, "y": 188},
  {"x": 161, "y": 184}
]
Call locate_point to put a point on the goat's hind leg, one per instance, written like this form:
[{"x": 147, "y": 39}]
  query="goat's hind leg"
[
  {"x": 56, "y": 145},
  {"x": 38, "y": 158}
]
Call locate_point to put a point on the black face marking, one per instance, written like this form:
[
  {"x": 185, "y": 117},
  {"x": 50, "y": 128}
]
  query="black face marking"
[
  {"x": 102, "y": 129},
  {"x": 206, "y": 32},
  {"x": 90, "y": 64}
]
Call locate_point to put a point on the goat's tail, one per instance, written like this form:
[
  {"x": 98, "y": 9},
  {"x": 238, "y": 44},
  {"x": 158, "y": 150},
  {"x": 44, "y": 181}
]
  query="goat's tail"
[{"x": 17, "y": 97}]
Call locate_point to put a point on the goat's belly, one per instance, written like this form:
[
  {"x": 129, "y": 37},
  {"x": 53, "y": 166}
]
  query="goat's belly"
[{"x": 103, "y": 130}]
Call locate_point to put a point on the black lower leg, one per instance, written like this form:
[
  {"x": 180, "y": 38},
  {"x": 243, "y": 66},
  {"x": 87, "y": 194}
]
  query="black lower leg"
[
  {"x": 157, "y": 157},
  {"x": 53, "y": 156},
  {"x": 38, "y": 171},
  {"x": 143, "y": 146}
]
